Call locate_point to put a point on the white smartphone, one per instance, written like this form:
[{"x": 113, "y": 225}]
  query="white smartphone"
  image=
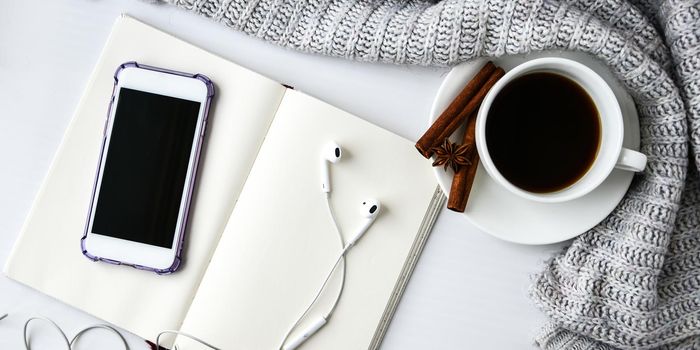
[{"x": 148, "y": 164}]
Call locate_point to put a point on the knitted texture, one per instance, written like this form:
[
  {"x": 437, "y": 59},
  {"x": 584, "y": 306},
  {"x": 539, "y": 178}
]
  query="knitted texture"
[{"x": 631, "y": 282}]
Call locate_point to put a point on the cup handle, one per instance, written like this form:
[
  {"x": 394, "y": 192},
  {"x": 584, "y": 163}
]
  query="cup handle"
[{"x": 631, "y": 160}]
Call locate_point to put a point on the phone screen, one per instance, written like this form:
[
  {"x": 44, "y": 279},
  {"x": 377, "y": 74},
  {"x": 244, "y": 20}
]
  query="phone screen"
[{"x": 145, "y": 168}]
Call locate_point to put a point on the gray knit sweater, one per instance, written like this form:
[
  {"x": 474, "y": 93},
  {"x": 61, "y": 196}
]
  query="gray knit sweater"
[{"x": 633, "y": 281}]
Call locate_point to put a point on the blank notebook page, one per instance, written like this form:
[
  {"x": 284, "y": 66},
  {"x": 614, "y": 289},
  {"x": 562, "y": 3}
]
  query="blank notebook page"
[{"x": 279, "y": 242}]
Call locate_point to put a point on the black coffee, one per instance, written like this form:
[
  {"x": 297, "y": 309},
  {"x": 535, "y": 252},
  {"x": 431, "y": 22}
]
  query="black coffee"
[{"x": 543, "y": 132}]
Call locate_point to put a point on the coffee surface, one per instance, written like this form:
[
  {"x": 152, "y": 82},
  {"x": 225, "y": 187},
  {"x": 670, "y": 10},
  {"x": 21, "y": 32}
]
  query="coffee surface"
[{"x": 543, "y": 132}]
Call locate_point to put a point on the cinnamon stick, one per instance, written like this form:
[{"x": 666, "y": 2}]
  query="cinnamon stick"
[
  {"x": 464, "y": 177},
  {"x": 447, "y": 120},
  {"x": 473, "y": 104}
]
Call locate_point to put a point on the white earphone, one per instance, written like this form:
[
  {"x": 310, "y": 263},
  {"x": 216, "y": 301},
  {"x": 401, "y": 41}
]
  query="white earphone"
[
  {"x": 331, "y": 154},
  {"x": 369, "y": 210}
]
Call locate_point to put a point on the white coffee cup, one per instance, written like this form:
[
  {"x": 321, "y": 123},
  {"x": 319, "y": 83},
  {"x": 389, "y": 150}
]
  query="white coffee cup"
[{"x": 610, "y": 153}]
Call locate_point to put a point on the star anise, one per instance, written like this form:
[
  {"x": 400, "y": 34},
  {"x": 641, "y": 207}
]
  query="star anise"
[{"x": 452, "y": 155}]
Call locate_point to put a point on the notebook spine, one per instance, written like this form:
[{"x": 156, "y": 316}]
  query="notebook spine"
[{"x": 434, "y": 208}]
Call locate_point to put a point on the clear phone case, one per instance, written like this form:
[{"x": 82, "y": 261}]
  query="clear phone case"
[{"x": 181, "y": 234}]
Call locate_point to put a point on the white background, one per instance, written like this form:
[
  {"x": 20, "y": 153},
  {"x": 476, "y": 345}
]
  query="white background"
[{"x": 469, "y": 290}]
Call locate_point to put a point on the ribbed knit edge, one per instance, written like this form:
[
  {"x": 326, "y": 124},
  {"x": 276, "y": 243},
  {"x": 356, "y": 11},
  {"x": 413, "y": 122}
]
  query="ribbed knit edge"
[{"x": 553, "y": 337}]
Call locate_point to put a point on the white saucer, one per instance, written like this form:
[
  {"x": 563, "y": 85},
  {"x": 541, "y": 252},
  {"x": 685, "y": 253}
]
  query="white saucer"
[{"x": 507, "y": 216}]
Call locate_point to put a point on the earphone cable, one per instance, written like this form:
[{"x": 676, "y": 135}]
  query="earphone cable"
[
  {"x": 327, "y": 279},
  {"x": 60, "y": 331},
  {"x": 342, "y": 245},
  {"x": 318, "y": 294},
  {"x": 69, "y": 344},
  {"x": 182, "y": 334},
  {"x": 102, "y": 326}
]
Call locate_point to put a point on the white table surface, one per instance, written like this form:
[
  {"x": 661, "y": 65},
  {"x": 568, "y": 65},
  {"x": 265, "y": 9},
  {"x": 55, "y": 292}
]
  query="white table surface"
[{"x": 469, "y": 290}]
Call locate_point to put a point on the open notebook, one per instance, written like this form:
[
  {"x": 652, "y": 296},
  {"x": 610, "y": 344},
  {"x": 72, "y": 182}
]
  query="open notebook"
[{"x": 259, "y": 240}]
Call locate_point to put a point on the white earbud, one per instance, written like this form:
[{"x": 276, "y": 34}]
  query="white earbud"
[
  {"x": 331, "y": 153},
  {"x": 370, "y": 210}
]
